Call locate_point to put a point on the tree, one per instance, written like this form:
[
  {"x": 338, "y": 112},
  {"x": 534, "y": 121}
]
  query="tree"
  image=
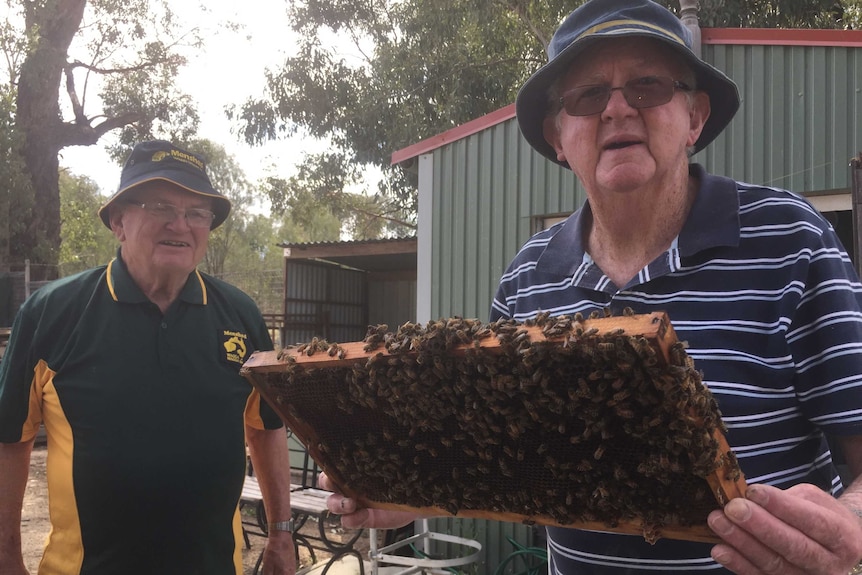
[
  {"x": 130, "y": 44},
  {"x": 85, "y": 241},
  {"x": 13, "y": 46},
  {"x": 777, "y": 14},
  {"x": 420, "y": 67},
  {"x": 404, "y": 70},
  {"x": 320, "y": 187}
]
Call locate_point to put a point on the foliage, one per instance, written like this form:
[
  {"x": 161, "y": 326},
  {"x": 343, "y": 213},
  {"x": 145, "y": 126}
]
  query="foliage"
[
  {"x": 56, "y": 52},
  {"x": 319, "y": 187},
  {"x": 417, "y": 68},
  {"x": 319, "y": 227},
  {"x": 12, "y": 204},
  {"x": 86, "y": 242},
  {"x": 776, "y": 14},
  {"x": 405, "y": 70}
]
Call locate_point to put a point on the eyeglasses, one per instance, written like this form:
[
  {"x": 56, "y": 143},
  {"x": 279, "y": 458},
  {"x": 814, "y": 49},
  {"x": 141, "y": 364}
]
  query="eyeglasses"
[
  {"x": 195, "y": 217},
  {"x": 643, "y": 92}
]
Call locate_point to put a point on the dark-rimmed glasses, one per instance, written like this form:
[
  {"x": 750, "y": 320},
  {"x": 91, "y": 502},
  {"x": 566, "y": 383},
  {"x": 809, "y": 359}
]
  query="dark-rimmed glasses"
[
  {"x": 643, "y": 92},
  {"x": 166, "y": 213}
]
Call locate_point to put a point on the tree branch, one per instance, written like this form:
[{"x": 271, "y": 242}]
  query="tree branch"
[
  {"x": 75, "y": 134},
  {"x": 77, "y": 108},
  {"x": 175, "y": 59}
]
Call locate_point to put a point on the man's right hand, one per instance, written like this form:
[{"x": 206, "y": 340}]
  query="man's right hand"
[{"x": 355, "y": 517}]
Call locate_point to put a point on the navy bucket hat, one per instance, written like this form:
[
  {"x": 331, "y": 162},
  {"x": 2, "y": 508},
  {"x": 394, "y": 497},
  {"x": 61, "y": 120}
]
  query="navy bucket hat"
[
  {"x": 161, "y": 160},
  {"x": 599, "y": 20}
]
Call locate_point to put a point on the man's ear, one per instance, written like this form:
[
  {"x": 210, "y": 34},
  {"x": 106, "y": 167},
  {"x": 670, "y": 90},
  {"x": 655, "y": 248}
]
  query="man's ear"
[
  {"x": 552, "y": 135},
  {"x": 115, "y": 218},
  {"x": 700, "y": 110}
]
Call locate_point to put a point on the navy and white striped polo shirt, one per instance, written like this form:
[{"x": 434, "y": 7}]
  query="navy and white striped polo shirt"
[{"x": 769, "y": 302}]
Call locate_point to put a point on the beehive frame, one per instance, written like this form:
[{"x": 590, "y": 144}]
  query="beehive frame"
[{"x": 600, "y": 423}]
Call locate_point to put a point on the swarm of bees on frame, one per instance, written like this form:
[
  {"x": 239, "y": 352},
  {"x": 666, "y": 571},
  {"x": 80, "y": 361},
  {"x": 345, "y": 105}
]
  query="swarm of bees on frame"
[{"x": 585, "y": 427}]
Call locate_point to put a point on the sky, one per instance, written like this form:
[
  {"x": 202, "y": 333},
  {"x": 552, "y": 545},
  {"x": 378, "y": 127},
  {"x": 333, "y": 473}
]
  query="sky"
[{"x": 228, "y": 70}]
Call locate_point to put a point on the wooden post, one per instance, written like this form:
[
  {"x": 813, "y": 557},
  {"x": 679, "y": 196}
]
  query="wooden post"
[
  {"x": 856, "y": 196},
  {"x": 283, "y": 335},
  {"x": 688, "y": 15}
]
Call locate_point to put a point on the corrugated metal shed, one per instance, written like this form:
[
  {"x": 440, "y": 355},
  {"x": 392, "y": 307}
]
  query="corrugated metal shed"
[
  {"x": 334, "y": 290},
  {"x": 483, "y": 190}
]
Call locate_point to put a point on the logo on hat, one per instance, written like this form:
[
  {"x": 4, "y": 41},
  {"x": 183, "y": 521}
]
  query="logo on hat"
[{"x": 179, "y": 156}]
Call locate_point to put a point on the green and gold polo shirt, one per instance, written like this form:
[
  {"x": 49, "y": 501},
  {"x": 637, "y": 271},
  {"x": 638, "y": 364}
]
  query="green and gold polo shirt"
[{"x": 144, "y": 414}]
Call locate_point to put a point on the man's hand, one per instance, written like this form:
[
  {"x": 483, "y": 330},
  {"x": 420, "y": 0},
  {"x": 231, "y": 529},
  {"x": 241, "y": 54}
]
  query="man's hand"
[
  {"x": 801, "y": 530},
  {"x": 355, "y": 517},
  {"x": 279, "y": 554}
]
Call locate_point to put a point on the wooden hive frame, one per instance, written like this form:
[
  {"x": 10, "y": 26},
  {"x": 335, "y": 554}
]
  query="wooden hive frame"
[{"x": 598, "y": 423}]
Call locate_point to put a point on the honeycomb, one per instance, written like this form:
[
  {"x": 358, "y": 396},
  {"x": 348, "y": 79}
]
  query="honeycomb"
[{"x": 598, "y": 423}]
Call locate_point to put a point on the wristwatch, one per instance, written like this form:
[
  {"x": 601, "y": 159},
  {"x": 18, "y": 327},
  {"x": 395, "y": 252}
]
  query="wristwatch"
[{"x": 281, "y": 526}]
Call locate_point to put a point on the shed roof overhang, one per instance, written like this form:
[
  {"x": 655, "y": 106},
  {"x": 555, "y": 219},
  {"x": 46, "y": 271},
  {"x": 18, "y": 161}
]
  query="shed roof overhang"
[{"x": 387, "y": 255}]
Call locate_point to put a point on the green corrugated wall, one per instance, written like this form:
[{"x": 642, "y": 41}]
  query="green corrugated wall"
[{"x": 800, "y": 120}]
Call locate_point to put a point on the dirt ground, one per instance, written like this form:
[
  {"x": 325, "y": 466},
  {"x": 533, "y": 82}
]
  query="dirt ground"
[
  {"x": 34, "y": 515},
  {"x": 35, "y": 525}
]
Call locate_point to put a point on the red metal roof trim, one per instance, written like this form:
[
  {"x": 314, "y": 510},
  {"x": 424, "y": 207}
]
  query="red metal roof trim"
[
  {"x": 454, "y": 134},
  {"x": 782, "y": 37},
  {"x": 330, "y": 243},
  {"x": 751, "y": 36}
]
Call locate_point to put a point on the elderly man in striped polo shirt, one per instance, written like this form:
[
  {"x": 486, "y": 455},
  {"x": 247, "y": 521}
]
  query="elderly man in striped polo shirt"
[{"x": 752, "y": 277}]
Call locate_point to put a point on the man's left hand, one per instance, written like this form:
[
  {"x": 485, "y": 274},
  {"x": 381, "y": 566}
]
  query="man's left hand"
[
  {"x": 279, "y": 554},
  {"x": 801, "y": 530}
]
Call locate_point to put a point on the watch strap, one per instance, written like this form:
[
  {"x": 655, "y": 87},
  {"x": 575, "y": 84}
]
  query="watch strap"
[{"x": 281, "y": 526}]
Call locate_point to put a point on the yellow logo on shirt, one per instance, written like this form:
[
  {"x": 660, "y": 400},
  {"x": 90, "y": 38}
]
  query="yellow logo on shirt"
[{"x": 234, "y": 344}]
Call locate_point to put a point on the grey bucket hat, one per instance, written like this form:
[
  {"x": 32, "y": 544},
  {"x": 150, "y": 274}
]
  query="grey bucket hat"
[
  {"x": 602, "y": 19},
  {"x": 161, "y": 160}
]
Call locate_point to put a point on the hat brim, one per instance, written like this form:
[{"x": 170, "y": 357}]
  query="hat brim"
[
  {"x": 532, "y": 104},
  {"x": 220, "y": 207}
]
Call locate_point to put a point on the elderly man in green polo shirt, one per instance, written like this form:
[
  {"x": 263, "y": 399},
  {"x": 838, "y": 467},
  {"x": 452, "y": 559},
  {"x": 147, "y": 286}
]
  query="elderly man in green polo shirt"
[{"x": 133, "y": 368}]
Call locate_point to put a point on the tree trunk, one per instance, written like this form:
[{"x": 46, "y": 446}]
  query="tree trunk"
[{"x": 40, "y": 122}]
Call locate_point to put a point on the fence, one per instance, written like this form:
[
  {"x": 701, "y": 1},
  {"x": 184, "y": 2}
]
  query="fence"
[{"x": 265, "y": 287}]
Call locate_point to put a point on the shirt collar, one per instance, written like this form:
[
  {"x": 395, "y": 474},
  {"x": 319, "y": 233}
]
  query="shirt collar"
[
  {"x": 123, "y": 288},
  {"x": 712, "y": 222}
]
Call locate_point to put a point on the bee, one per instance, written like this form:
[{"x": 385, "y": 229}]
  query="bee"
[
  {"x": 541, "y": 318},
  {"x": 606, "y": 346},
  {"x": 600, "y": 492},
  {"x": 514, "y": 430}
]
